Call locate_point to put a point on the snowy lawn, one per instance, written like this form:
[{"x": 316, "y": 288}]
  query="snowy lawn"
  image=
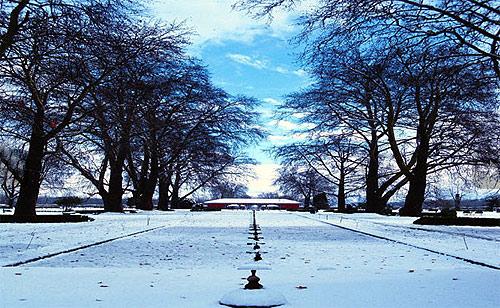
[
  {"x": 192, "y": 261},
  {"x": 480, "y": 244}
]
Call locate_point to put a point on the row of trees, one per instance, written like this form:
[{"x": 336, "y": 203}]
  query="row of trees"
[
  {"x": 402, "y": 90},
  {"x": 95, "y": 87}
]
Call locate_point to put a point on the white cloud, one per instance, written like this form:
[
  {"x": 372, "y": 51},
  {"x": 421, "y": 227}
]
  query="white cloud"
[
  {"x": 247, "y": 60},
  {"x": 277, "y": 138},
  {"x": 286, "y": 71},
  {"x": 214, "y": 20},
  {"x": 266, "y": 112},
  {"x": 263, "y": 64},
  {"x": 284, "y": 139},
  {"x": 264, "y": 177},
  {"x": 282, "y": 70},
  {"x": 283, "y": 124},
  {"x": 307, "y": 125},
  {"x": 299, "y": 115},
  {"x": 300, "y": 136},
  {"x": 272, "y": 101},
  {"x": 300, "y": 73}
]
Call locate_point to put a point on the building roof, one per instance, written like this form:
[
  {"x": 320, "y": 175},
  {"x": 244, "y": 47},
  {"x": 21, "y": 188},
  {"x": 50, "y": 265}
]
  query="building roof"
[{"x": 251, "y": 201}]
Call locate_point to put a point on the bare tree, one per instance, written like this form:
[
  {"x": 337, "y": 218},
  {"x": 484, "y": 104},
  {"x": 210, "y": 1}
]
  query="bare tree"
[
  {"x": 11, "y": 169},
  {"x": 13, "y": 17},
  {"x": 466, "y": 23},
  {"x": 449, "y": 104},
  {"x": 345, "y": 100},
  {"x": 408, "y": 103},
  {"x": 422, "y": 76},
  {"x": 114, "y": 109},
  {"x": 301, "y": 182},
  {"x": 207, "y": 144},
  {"x": 49, "y": 74},
  {"x": 227, "y": 189},
  {"x": 337, "y": 159},
  {"x": 270, "y": 195}
]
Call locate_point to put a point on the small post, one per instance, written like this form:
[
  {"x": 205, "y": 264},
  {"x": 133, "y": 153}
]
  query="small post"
[
  {"x": 253, "y": 281},
  {"x": 257, "y": 257},
  {"x": 32, "y": 236}
]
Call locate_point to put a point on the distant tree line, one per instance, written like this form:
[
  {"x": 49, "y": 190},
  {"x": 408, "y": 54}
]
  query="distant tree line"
[
  {"x": 96, "y": 87},
  {"x": 402, "y": 90}
]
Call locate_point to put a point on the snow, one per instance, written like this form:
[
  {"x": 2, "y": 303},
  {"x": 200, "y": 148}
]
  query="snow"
[
  {"x": 251, "y": 201},
  {"x": 191, "y": 259},
  {"x": 477, "y": 243},
  {"x": 253, "y": 298},
  {"x": 261, "y": 266}
]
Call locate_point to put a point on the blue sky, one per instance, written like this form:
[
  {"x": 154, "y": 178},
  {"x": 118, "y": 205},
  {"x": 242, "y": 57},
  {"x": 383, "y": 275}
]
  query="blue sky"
[
  {"x": 263, "y": 69},
  {"x": 245, "y": 56}
]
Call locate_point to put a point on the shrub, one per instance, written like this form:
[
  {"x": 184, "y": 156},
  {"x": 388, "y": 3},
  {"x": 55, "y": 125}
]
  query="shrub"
[
  {"x": 320, "y": 201},
  {"x": 68, "y": 202},
  {"x": 386, "y": 211},
  {"x": 448, "y": 213},
  {"x": 183, "y": 204},
  {"x": 491, "y": 202}
]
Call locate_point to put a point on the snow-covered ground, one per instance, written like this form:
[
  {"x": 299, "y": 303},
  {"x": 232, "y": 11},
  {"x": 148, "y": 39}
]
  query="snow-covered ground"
[
  {"x": 481, "y": 244},
  {"x": 191, "y": 260}
]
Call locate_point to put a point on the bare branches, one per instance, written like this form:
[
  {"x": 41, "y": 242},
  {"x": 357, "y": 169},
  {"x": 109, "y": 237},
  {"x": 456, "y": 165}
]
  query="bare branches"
[
  {"x": 418, "y": 78},
  {"x": 473, "y": 24}
]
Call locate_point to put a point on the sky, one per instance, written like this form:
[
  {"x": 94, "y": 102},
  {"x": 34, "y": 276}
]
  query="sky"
[{"x": 245, "y": 56}]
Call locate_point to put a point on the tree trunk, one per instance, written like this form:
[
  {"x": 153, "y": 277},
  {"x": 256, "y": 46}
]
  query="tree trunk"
[
  {"x": 341, "y": 193},
  {"x": 307, "y": 201},
  {"x": 141, "y": 183},
  {"x": 30, "y": 183},
  {"x": 147, "y": 199},
  {"x": 134, "y": 201},
  {"x": 174, "y": 199},
  {"x": 417, "y": 183},
  {"x": 150, "y": 184},
  {"x": 373, "y": 204},
  {"x": 113, "y": 199},
  {"x": 10, "y": 200},
  {"x": 8, "y": 187},
  {"x": 163, "y": 196}
]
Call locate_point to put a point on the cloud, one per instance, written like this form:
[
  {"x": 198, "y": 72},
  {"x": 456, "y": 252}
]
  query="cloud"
[
  {"x": 283, "y": 124},
  {"x": 264, "y": 177},
  {"x": 272, "y": 101},
  {"x": 278, "y": 138},
  {"x": 262, "y": 64},
  {"x": 215, "y": 21},
  {"x": 300, "y": 73},
  {"x": 300, "y": 136},
  {"x": 266, "y": 112},
  {"x": 284, "y": 139},
  {"x": 282, "y": 70},
  {"x": 247, "y": 60},
  {"x": 299, "y": 115},
  {"x": 285, "y": 71}
]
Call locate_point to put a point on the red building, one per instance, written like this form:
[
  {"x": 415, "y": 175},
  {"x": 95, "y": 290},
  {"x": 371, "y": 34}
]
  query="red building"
[{"x": 284, "y": 204}]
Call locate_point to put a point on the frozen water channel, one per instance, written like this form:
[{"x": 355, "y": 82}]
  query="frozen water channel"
[{"x": 191, "y": 260}]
